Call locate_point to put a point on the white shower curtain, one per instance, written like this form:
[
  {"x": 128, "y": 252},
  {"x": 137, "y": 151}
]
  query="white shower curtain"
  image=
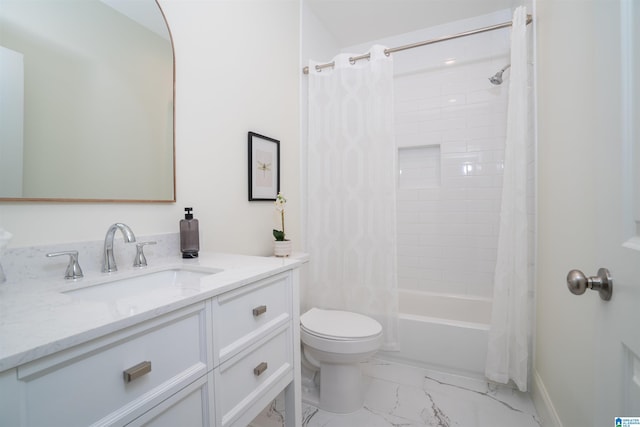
[
  {"x": 508, "y": 351},
  {"x": 352, "y": 189}
]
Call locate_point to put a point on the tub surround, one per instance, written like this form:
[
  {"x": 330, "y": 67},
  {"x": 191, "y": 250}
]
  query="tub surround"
[{"x": 40, "y": 324}]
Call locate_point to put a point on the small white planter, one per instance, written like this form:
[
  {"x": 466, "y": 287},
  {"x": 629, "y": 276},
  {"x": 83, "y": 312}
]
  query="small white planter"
[{"x": 282, "y": 248}]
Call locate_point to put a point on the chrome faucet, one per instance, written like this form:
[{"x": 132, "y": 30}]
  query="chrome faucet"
[
  {"x": 109, "y": 262},
  {"x": 73, "y": 271}
]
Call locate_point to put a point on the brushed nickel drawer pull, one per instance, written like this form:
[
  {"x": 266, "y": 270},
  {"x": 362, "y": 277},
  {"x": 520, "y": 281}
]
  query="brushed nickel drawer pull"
[
  {"x": 137, "y": 371},
  {"x": 258, "y": 370},
  {"x": 259, "y": 310}
]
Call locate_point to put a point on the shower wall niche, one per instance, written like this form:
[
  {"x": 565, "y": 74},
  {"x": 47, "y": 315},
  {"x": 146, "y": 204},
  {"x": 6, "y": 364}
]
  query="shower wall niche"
[{"x": 419, "y": 167}]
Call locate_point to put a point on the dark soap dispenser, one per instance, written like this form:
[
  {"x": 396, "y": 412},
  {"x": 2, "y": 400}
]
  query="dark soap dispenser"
[{"x": 189, "y": 235}]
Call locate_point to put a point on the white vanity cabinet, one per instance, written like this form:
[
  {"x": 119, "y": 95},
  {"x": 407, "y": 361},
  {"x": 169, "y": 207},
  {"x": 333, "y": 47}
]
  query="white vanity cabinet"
[
  {"x": 88, "y": 384},
  {"x": 254, "y": 347},
  {"x": 217, "y": 362}
]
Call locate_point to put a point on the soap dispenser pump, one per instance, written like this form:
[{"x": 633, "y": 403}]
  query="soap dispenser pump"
[{"x": 189, "y": 235}]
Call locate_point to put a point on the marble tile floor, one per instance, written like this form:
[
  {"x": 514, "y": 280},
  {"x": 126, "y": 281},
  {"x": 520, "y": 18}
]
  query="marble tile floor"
[{"x": 400, "y": 395}]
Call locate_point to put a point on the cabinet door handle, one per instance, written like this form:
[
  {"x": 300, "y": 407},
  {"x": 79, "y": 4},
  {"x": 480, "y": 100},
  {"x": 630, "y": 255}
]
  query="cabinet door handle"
[
  {"x": 137, "y": 371},
  {"x": 258, "y": 370},
  {"x": 259, "y": 310}
]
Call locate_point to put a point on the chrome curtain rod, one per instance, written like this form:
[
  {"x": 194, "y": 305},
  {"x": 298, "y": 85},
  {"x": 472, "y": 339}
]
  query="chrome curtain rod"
[{"x": 391, "y": 50}]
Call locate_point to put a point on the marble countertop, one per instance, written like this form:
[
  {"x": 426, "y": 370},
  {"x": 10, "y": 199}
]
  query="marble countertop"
[{"x": 37, "y": 318}]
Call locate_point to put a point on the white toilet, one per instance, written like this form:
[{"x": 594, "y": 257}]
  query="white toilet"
[{"x": 335, "y": 342}]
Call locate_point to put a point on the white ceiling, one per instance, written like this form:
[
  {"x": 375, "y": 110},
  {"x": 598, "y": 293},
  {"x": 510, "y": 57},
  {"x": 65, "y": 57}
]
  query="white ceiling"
[{"x": 357, "y": 21}]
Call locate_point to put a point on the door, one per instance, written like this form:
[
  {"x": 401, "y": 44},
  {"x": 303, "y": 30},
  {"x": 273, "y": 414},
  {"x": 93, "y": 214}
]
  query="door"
[
  {"x": 617, "y": 369},
  {"x": 587, "y": 160}
]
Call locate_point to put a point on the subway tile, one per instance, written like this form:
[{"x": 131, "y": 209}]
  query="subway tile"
[
  {"x": 408, "y": 128},
  {"x": 453, "y": 205},
  {"x": 409, "y": 239},
  {"x": 406, "y": 194},
  {"x": 456, "y": 87},
  {"x": 459, "y": 158},
  {"x": 488, "y": 95},
  {"x": 484, "y": 194},
  {"x": 455, "y": 135},
  {"x": 454, "y": 194},
  {"x": 485, "y": 254},
  {"x": 444, "y": 286},
  {"x": 453, "y": 147},
  {"x": 411, "y": 261},
  {"x": 456, "y": 275},
  {"x": 430, "y": 103},
  {"x": 486, "y": 219},
  {"x": 449, "y": 238},
  {"x": 451, "y": 241},
  {"x": 485, "y": 119},
  {"x": 487, "y": 137},
  {"x": 469, "y": 182},
  {"x": 433, "y": 252},
  {"x": 404, "y": 105},
  {"x": 406, "y": 250},
  {"x": 467, "y": 110},
  {"x": 483, "y": 206},
  {"x": 429, "y": 194},
  {"x": 408, "y": 117},
  {"x": 410, "y": 283},
  {"x": 408, "y": 217},
  {"x": 418, "y": 139},
  {"x": 426, "y": 274},
  {"x": 452, "y": 100}
]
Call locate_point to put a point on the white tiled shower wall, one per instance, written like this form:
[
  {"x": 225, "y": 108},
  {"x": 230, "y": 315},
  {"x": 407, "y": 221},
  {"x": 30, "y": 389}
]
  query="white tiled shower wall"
[
  {"x": 450, "y": 117},
  {"x": 448, "y": 231}
]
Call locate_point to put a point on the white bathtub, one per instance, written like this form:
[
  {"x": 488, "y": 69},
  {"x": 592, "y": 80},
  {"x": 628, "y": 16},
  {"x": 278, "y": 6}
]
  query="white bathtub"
[{"x": 444, "y": 332}]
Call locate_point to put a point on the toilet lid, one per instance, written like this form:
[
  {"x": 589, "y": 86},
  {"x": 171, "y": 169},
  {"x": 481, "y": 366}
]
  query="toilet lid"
[{"x": 339, "y": 324}]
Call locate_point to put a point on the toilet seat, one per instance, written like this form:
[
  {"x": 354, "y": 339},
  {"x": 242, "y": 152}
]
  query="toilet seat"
[{"x": 339, "y": 325}]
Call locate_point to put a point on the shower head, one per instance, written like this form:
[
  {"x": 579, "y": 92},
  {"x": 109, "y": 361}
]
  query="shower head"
[{"x": 496, "y": 79}]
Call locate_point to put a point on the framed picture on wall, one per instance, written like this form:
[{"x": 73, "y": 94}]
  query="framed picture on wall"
[{"x": 264, "y": 167}]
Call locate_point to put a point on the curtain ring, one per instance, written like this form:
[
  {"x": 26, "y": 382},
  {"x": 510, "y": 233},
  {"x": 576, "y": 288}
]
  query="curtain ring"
[{"x": 352, "y": 61}]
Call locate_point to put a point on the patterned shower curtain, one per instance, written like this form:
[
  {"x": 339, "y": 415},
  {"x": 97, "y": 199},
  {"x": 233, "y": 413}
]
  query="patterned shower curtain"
[{"x": 352, "y": 189}]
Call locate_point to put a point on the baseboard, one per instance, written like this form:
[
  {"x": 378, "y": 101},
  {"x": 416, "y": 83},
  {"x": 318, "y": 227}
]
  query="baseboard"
[{"x": 542, "y": 402}]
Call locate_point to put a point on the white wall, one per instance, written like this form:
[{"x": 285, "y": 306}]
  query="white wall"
[
  {"x": 236, "y": 71},
  {"x": 316, "y": 43},
  {"x": 567, "y": 117}
]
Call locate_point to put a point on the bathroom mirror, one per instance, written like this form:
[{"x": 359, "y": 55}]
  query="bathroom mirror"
[{"x": 86, "y": 101}]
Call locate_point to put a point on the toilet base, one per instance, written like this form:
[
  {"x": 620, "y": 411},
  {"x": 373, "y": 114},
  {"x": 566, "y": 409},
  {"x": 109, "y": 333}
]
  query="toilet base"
[
  {"x": 341, "y": 388},
  {"x": 337, "y": 352}
]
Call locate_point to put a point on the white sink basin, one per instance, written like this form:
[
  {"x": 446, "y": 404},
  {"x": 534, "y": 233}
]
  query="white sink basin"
[{"x": 149, "y": 286}]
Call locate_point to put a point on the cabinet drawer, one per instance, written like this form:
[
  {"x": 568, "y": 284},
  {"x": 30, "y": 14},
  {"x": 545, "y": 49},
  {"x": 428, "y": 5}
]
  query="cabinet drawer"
[
  {"x": 86, "y": 384},
  {"x": 188, "y": 407},
  {"x": 244, "y": 378},
  {"x": 243, "y": 315}
]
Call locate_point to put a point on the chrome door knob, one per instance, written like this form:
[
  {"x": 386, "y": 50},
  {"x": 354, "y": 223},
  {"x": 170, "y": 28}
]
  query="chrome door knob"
[{"x": 578, "y": 283}]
